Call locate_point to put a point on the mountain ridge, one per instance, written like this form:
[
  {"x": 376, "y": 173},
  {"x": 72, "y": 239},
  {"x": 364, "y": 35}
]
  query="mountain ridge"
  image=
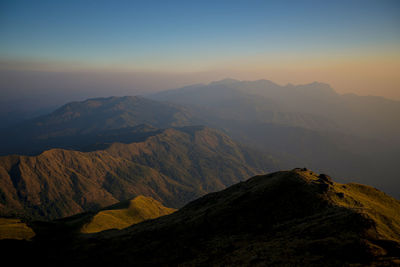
[
  {"x": 298, "y": 213},
  {"x": 173, "y": 166},
  {"x": 295, "y": 217},
  {"x": 77, "y": 122}
]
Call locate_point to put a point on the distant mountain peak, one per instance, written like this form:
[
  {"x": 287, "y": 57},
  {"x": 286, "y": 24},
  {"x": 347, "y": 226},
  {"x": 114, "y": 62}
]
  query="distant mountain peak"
[
  {"x": 225, "y": 81},
  {"x": 316, "y": 87}
]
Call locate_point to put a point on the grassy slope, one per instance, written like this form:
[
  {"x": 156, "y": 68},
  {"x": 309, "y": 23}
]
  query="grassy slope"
[
  {"x": 15, "y": 229},
  {"x": 139, "y": 209},
  {"x": 368, "y": 201}
]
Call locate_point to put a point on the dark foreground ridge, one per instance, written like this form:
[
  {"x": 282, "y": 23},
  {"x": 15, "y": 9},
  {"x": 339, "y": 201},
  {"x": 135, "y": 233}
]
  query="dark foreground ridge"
[{"x": 285, "y": 218}]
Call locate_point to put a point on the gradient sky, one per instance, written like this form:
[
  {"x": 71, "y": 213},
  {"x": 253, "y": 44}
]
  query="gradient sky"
[{"x": 353, "y": 45}]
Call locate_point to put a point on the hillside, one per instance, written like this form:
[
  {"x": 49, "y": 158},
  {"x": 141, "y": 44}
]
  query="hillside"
[
  {"x": 173, "y": 166},
  {"x": 295, "y": 217},
  {"x": 285, "y": 218}
]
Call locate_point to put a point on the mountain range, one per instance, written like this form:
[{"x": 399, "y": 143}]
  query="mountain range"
[
  {"x": 173, "y": 165},
  {"x": 100, "y": 134},
  {"x": 163, "y": 179},
  {"x": 313, "y": 106},
  {"x": 77, "y": 123},
  {"x": 349, "y": 136}
]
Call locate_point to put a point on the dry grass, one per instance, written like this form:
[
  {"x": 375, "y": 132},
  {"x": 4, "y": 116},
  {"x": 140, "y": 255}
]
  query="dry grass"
[
  {"x": 140, "y": 209},
  {"x": 383, "y": 209},
  {"x": 15, "y": 229}
]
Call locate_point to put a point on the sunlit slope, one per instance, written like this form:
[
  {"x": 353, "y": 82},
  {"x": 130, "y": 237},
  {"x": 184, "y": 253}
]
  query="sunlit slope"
[
  {"x": 365, "y": 200},
  {"x": 374, "y": 204},
  {"x": 174, "y": 167},
  {"x": 139, "y": 209},
  {"x": 15, "y": 229}
]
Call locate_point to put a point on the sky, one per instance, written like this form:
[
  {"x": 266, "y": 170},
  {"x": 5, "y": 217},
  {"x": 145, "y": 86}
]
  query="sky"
[{"x": 354, "y": 45}]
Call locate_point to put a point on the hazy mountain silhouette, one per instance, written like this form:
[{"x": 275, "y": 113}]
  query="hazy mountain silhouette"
[
  {"x": 350, "y": 136},
  {"x": 315, "y": 106},
  {"x": 77, "y": 123},
  {"x": 286, "y": 218}
]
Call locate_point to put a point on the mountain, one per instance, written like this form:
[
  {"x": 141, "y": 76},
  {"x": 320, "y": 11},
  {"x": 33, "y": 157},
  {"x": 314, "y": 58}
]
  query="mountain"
[
  {"x": 224, "y": 101},
  {"x": 313, "y": 106},
  {"x": 78, "y": 123},
  {"x": 353, "y": 137},
  {"x": 172, "y": 166},
  {"x": 285, "y": 218}
]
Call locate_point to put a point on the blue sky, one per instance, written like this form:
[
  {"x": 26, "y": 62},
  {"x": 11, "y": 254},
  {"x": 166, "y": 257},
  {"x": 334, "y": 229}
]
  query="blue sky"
[
  {"x": 195, "y": 35},
  {"x": 100, "y": 31}
]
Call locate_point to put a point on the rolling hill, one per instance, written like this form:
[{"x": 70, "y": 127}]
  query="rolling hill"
[{"x": 125, "y": 214}]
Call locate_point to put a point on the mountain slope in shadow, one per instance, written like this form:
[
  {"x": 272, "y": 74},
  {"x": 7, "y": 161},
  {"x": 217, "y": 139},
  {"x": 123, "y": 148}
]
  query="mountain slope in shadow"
[
  {"x": 285, "y": 218},
  {"x": 292, "y": 217}
]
